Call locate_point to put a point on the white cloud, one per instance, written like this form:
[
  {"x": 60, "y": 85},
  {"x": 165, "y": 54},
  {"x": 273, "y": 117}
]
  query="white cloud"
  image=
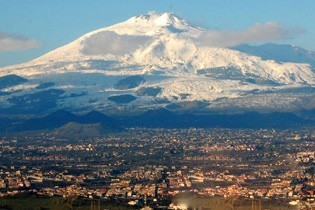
[
  {"x": 259, "y": 32},
  {"x": 109, "y": 42},
  {"x": 9, "y": 42}
]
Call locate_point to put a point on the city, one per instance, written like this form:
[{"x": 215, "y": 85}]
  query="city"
[{"x": 154, "y": 167}]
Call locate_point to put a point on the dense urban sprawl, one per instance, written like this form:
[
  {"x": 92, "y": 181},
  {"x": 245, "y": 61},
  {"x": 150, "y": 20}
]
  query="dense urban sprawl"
[{"x": 150, "y": 167}]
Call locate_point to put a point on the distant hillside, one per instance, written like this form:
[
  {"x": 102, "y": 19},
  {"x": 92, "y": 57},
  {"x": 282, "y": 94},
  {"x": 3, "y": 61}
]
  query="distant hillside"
[
  {"x": 11, "y": 80},
  {"x": 164, "y": 118},
  {"x": 63, "y": 123},
  {"x": 61, "y": 118},
  {"x": 76, "y": 130}
]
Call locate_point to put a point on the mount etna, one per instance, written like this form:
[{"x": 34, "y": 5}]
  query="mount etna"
[{"x": 156, "y": 70}]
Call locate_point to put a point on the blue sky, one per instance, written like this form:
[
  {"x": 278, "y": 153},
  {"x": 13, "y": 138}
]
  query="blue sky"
[{"x": 32, "y": 28}]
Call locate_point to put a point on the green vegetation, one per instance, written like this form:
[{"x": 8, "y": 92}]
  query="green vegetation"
[{"x": 27, "y": 201}]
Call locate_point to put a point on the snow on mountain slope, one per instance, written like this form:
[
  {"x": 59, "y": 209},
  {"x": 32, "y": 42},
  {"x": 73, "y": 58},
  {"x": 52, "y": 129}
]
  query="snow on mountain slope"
[{"x": 164, "y": 51}]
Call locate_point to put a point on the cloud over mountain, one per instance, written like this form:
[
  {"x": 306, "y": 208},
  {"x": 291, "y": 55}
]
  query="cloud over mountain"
[
  {"x": 12, "y": 42},
  {"x": 109, "y": 42},
  {"x": 259, "y": 32}
]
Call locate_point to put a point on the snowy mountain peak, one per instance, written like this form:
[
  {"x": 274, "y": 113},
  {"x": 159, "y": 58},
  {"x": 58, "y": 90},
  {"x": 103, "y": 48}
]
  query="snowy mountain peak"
[
  {"x": 167, "y": 19},
  {"x": 154, "y": 24},
  {"x": 164, "y": 19}
]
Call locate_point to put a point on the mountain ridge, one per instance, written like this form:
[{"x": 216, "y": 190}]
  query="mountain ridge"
[
  {"x": 279, "y": 53},
  {"x": 74, "y": 125}
]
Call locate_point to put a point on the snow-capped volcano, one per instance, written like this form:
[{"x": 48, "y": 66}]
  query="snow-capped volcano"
[
  {"x": 126, "y": 39},
  {"x": 152, "y": 61}
]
